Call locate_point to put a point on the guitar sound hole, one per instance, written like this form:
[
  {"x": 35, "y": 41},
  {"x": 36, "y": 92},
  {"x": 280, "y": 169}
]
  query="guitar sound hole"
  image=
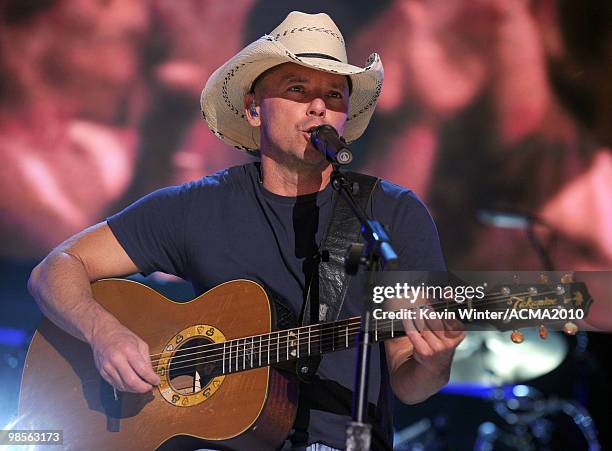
[{"x": 189, "y": 372}]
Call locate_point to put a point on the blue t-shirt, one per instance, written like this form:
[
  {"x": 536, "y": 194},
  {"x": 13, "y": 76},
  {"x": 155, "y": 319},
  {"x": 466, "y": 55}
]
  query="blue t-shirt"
[{"x": 228, "y": 226}]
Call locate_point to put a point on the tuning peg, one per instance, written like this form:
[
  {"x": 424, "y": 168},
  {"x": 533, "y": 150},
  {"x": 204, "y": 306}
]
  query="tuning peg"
[
  {"x": 570, "y": 328},
  {"x": 517, "y": 336},
  {"x": 543, "y": 278},
  {"x": 543, "y": 332},
  {"x": 567, "y": 278}
]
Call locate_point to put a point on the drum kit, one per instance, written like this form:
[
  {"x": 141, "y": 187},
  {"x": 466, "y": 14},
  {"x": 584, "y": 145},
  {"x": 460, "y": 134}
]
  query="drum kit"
[{"x": 488, "y": 378}]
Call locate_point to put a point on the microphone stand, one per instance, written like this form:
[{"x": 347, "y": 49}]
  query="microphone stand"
[
  {"x": 376, "y": 251},
  {"x": 542, "y": 252}
]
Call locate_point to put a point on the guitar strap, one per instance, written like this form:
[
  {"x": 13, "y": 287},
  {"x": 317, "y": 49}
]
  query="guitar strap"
[{"x": 329, "y": 284}]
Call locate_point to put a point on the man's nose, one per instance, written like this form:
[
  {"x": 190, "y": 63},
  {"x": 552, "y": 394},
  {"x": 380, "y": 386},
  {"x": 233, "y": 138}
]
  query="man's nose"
[{"x": 317, "y": 107}]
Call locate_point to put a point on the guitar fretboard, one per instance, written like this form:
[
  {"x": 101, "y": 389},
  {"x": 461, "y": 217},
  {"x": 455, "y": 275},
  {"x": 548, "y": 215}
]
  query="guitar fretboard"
[{"x": 243, "y": 354}]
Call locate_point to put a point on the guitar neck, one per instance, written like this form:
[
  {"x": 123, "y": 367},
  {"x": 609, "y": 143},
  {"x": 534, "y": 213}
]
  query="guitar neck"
[
  {"x": 290, "y": 344},
  {"x": 273, "y": 348}
]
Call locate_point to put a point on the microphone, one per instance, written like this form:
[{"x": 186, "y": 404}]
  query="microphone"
[{"x": 326, "y": 140}]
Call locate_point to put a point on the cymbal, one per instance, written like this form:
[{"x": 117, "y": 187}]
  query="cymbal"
[{"x": 490, "y": 358}]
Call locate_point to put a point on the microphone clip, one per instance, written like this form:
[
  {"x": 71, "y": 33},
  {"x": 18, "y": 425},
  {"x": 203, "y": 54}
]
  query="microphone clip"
[{"x": 326, "y": 140}]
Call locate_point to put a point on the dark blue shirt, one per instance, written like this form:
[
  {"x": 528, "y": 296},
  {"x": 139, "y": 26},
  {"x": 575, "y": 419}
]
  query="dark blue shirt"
[{"x": 228, "y": 226}]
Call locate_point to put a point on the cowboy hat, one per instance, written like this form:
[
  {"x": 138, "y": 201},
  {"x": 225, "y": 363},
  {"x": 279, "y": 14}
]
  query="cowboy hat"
[{"x": 311, "y": 40}]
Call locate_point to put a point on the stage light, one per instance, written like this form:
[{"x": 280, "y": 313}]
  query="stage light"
[{"x": 10, "y": 336}]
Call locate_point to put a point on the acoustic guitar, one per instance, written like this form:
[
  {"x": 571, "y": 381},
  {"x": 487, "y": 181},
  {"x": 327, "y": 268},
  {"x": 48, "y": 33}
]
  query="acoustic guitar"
[{"x": 217, "y": 357}]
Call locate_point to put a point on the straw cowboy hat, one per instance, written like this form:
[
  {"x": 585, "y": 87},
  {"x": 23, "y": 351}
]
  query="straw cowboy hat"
[{"x": 311, "y": 40}]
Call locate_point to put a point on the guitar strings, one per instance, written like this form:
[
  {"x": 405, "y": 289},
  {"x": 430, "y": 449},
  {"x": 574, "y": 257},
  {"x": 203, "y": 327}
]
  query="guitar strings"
[
  {"x": 274, "y": 344},
  {"x": 277, "y": 340},
  {"x": 410, "y": 357},
  {"x": 433, "y": 305},
  {"x": 354, "y": 332},
  {"x": 235, "y": 351},
  {"x": 204, "y": 386}
]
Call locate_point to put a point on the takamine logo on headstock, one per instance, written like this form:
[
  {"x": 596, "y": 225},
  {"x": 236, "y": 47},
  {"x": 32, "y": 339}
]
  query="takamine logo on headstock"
[{"x": 528, "y": 305}]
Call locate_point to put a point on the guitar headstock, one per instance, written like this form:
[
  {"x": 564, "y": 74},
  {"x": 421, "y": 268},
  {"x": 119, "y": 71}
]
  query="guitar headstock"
[{"x": 556, "y": 305}]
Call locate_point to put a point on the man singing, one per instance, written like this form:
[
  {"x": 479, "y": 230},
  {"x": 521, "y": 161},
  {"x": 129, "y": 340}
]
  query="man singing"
[{"x": 263, "y": 221}]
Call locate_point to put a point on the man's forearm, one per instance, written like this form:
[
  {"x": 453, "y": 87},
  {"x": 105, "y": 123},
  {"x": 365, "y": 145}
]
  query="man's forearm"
[
  {"x": 62, "y": 290},
  {"x": 412, "y": 383}
]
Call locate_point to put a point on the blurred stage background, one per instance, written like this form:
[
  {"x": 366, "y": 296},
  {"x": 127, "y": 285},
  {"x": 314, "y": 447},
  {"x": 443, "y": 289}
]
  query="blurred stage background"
[{"x": 495, "y": 112}]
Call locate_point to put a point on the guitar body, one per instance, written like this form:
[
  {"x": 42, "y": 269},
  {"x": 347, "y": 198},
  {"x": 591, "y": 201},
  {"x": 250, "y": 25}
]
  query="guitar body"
[{"x": 253, "y": 409}]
